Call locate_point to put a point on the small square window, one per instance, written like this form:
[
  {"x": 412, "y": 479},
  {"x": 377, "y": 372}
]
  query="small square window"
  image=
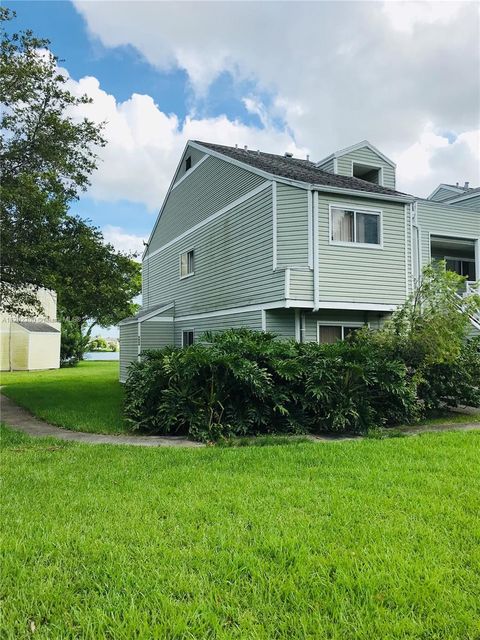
[
  {"x": 188, "y": 338},
  {"x": 188, "y": 163},
  {"x": 187, "y": 264}
]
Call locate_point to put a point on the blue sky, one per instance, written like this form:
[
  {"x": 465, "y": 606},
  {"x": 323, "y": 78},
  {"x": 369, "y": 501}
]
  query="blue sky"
[{"x": 305, "y": 77}]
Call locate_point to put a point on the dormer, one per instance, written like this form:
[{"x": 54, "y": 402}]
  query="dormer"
[
  {"x": 363, "y": 161},
  {"x": 448, "y": 191}
]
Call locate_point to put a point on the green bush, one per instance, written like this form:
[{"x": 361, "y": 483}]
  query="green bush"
[{"x": 242, "y": 382}]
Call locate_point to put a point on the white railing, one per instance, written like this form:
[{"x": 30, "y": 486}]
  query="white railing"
[{"x": 472, "y": 287}]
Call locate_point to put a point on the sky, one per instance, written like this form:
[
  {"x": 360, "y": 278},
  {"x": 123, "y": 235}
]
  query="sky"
[{"x": 305, "y": 77}]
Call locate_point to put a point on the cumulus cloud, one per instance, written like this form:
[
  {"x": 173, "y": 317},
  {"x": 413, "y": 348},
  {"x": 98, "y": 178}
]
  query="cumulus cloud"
[{"x": 123, "y": 241}]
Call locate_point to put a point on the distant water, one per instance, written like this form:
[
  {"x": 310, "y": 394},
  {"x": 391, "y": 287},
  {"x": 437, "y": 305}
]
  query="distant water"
[{"x": 102, "y": 355}]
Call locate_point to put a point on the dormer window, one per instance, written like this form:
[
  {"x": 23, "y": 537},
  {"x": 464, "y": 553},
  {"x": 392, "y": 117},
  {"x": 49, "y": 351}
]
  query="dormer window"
[
  {"x": 367, "y": 172},
  {"x": 188, "y": 163}
]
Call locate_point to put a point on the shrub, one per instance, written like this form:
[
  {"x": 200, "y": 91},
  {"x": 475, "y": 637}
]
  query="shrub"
[{"x": 242, "y": 382}]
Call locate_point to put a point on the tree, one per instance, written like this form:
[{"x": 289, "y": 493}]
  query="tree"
[
  {"x": 46, "y": 159},
  {"x": 95, "y": 284}
]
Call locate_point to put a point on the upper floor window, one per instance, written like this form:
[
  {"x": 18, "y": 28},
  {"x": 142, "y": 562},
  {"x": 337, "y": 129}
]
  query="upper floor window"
[
  {"x": 367, "y": 172},
  {"x": 355, "y": 226},
  {"x": 188, "y": 163},
  {"x": 187, "y": 264}
]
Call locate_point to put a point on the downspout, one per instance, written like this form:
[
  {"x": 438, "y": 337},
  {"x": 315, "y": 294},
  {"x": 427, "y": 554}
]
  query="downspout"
[{"x": 316, "y": 282}]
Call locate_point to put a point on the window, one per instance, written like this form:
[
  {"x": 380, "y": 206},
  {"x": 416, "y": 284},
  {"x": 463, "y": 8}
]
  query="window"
[
  {"x": 188, "y": 163},
  {"x": 187, "y": 337},
  {"x": 367, "y": 172},
  {"x": 330, "y": 333},
  {"x": 352, "y": 226},
  {"x": 463, "y": 266},
  {"x": 186, "y": 264}
]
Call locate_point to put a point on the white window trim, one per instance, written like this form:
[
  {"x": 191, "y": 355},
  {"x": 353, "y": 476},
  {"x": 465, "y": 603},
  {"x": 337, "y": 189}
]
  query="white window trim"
[
  {"x": 192, "y": 273},
  {"x": 188, "y": 331},
  {"x": 359, "y": 245},
  {"x": 343, "y": 325},
  {"x": 370, "y": 166}
]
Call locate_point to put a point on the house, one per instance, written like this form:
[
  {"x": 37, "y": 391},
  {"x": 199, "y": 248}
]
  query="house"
[
  {"x": 307, "y": 250},
  {"x": 31, "y": 341}
]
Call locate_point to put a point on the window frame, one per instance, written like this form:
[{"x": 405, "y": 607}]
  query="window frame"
[
  {"x": 184, "y": 331},
  {"x": 355, "y": 210},
  {"x": 188, "y": 161},
  {"x": 458, "y": 259},
  {"x": 185, "y": 253},
  {"x": 370, "y": 166},
  {"x": 343, "y": 325}
]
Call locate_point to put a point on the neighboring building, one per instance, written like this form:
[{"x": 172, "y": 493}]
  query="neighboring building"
[
  {"x": 28, "y": 343},
  {"x": 306, "y": 250}
]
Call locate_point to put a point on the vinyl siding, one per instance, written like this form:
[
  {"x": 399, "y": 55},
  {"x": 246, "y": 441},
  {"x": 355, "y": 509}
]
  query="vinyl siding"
[
  {"x": 292, "y": 226},
  {"x": 250, "y": 319},
  {"x": 233, "y": 258},
  {"x": 156, "y": 334},
  {"x": 444, "y": 219},
  {"x": 301, "y": 284},
  {"x": 310, "y": 320},
  {"x": 366, "y": 156},
  {"x": 128, "y": 347},
  {"x": 472, "y": 204},
  {"x": 445, "y": 194},
  {"x": 329, "y": 166},
  {"x": 281, "y": 322},
  {"x": 359, "y": 274},
  {"x": 196, "y": 156},
  {"x": 212, "y": 186}
]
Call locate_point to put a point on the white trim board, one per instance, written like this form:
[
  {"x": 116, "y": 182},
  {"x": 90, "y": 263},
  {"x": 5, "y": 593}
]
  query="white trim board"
[
  {"x": 210, "y": 218},
  {"x": 190, "y": 171}
]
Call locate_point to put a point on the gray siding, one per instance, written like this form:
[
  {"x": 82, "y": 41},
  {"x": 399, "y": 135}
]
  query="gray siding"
[
  {"x": 329, "y": 166},
  {"x": 155, "y": 334},
  {"x": 301, "y": 284},
  {"x": 196, "y": 156},
  {"x": 212, "y": 186},
  {"x": 359, "y": 274},
  {"x": 281, "y": 322},
  {"x": 472, "y": 204},
  {"x": 250, "y": 320},
  {"x": 292, "y": 226},
  {"x": 445, "y": 194},
  {"x": 233, "y": 263},
  {"x": 444, "y": 219},
  {"x": 128, "y": 347},
  {"x": 366, "y": 156}
]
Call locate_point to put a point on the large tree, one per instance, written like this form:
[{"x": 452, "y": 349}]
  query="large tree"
[{"x": 46, "y": 159}]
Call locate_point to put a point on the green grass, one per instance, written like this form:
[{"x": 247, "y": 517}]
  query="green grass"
[
  {"x": 348, "y": 541},
  {"x": 83, "y": 398}
]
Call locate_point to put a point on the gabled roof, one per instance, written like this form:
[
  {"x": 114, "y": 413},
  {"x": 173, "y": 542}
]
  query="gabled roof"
[
  {"x": 454, "y": 188},
  {"x": 468, "y": 193},
  {"x": 302, "y": 171},
  {"x": 360, "y": 145}
]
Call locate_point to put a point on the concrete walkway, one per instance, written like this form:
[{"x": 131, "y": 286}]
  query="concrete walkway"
[{"x": 22, "y": 420}]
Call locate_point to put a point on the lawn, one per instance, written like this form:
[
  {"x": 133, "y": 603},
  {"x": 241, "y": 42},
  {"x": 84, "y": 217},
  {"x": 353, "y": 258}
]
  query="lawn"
[
  {"x": 350, "y": 541},
  {"x": 83, "y": 398}
]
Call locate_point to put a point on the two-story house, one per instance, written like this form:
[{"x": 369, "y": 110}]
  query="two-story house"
[{"x": 306, "y": 250}]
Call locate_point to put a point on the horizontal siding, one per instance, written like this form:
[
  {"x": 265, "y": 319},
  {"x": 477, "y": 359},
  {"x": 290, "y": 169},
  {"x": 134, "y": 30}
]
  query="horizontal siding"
[
  {"x": 281, "y": 322},
  {"x": 292, "y": 226},
  {"x": 366, "y": 156},
  {"x": 211, "y": 187},
  {"x": 195, "y": 155},
  {"x": 128, "y": 347},
  {"x": 250, "y": 320},
  {"x": 444, "y": 219},
  {"x": 301, "y": 284},
  {"x": 233, "y": 263},
  {"x": 472, "y": 204},
  {"x": 310, "y": 320},
  {"x": 155, "y": 335},
  {"x": 445, "y": 194},
  {"x": 328, "y": 166},
  {"x": 358, "y": 274}
]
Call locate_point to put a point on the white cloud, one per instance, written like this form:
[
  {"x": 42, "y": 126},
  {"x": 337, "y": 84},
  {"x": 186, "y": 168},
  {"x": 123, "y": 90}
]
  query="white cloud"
[{"x": 123, "y": 241}]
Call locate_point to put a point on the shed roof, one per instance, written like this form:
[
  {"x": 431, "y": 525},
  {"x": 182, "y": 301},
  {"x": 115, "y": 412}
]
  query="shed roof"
[{"x": 38, "y": 327}]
